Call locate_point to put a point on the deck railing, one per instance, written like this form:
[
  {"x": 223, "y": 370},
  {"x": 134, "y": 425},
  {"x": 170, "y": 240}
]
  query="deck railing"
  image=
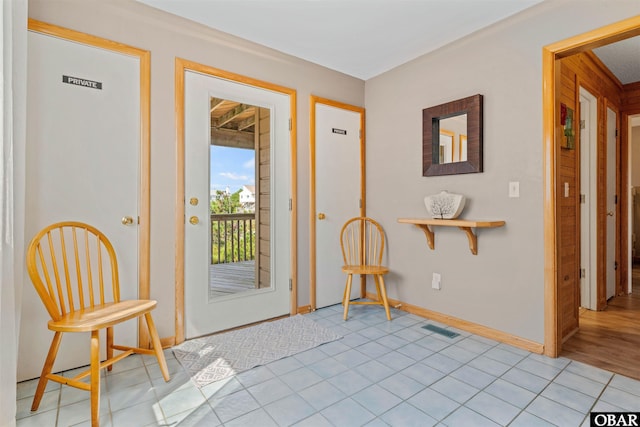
[{"x": 233, "y": 237}]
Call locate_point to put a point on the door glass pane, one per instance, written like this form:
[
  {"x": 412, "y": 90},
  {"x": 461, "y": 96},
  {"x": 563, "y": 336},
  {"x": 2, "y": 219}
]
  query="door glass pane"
[{"x": 239, "y": 181}]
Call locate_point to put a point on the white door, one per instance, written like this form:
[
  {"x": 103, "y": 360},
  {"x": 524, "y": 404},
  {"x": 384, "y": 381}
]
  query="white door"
[
  {"x": 611, "y": 202},
  {"x": 205, "y": 314},
  {"x": 588, "y": 205},
  {"x": 83, "y": 152},
  {"x": 338, "y": 192}
]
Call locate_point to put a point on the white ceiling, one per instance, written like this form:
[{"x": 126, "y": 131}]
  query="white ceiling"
[
  {"x": 622, "y": 58},
  {"x": 361, "y": 38},
  {"x": 364, "y": 38}
]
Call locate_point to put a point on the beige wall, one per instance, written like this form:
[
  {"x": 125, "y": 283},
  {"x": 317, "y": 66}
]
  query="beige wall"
[
  {"x": 501, "y": 287},
  {"x": 167, "y": 37}
]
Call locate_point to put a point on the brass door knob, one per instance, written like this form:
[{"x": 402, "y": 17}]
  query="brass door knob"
[
  {"x": 194, "y": 220},
  {"x": 126, "y": 220},
  {"x": 193, "y": 201},
  {"x": 321, "y": 216}
]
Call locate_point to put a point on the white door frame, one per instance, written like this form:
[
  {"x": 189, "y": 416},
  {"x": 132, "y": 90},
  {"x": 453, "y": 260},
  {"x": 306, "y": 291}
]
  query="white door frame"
[
  {"x": 611, "y": 207},
  {"x": 588, "y": 208},
  {"x": 630, "y": 119},
  {"x": 312, "y": 179},
  {"x": 182, "y": 65}
]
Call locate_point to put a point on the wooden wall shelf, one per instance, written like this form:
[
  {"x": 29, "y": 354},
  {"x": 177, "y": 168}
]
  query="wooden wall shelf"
[{"x": 462, "y": 224}]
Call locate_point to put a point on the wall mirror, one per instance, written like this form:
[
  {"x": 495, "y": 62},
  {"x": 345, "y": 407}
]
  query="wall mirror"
[{"x": 452, "y": 137}]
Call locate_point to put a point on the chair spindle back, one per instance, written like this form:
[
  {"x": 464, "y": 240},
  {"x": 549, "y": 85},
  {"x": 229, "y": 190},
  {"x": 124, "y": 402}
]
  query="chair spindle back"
[
  {"x": 362, "y": 242},
  {"x": 72, "y": 266}
]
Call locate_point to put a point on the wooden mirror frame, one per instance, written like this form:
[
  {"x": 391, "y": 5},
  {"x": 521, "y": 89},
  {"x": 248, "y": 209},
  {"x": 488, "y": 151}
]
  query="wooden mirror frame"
[{"x": 472, "y": 107}]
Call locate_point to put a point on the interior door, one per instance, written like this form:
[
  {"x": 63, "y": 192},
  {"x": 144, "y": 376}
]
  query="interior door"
[
  {"x": 207, "y": 312},
  {"x": 611, "y": 202},
  {"x": 338, "y": 145},
  {"x": 82, "y": 159},
  {"x": 588, "y": 206}
]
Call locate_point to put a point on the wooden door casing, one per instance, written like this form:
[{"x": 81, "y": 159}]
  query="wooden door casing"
[
  {"x": 313, "y": 217},
  {"x": 137, "y": 64}
]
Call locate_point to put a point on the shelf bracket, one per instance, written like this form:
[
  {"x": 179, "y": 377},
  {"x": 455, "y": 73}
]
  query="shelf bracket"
[
  {"x": 473, "y": 240},
  {"x": 428, "y": 233}
]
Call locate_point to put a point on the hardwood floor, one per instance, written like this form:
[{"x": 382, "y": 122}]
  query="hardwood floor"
[{"x": 610, "y": 339}]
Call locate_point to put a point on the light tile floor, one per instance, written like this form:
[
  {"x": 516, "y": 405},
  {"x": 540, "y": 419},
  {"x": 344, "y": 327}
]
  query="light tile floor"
[{"x": 380, "y": 373}]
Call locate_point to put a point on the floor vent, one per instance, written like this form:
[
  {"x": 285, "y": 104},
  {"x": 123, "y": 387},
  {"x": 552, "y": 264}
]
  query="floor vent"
[{"x": 441, "y": 331}]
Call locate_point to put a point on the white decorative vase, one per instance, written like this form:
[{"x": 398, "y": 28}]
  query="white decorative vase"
[{"x": 444, "y": 205}]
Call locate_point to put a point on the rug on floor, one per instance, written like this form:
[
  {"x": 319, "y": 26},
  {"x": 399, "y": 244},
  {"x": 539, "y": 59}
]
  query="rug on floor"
[{"x": 216, "y": 357}]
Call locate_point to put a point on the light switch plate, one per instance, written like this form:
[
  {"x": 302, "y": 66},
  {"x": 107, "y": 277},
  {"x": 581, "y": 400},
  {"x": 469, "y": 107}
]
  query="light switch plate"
[
  {"x": 435, "y": 281},
  {"x": 514, "y": 189}
]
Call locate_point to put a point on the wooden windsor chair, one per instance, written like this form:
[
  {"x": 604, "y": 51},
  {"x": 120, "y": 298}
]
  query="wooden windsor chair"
[
  {"x": 74, "y": 269},
  {"x": 362, "y": 244}
]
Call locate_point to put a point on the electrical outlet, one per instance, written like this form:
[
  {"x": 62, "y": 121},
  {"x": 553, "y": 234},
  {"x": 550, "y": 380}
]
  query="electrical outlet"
[{"x": 435, "y": 281}]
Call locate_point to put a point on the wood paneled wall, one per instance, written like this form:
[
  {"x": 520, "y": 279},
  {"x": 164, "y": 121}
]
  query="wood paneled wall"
[
  {"x": 568, "y": 216},
  {"x": 631, "y": 98},
  {"x": 263, "y": 196},
  {"x": 585, "y": 70}
]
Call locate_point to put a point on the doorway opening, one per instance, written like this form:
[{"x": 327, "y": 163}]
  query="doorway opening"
[{"x": 553, "y": 261}]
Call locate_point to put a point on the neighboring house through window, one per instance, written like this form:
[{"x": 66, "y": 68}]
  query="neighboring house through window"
[{"x": 248, "y": 198}]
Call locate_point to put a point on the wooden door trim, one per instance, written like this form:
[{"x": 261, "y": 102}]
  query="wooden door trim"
[
  {"x": 181, "y": 66},
  {"x": 550, "y": 54},
  {"x": 313, "y": 101},
  {"x": 144, "y": 201}
]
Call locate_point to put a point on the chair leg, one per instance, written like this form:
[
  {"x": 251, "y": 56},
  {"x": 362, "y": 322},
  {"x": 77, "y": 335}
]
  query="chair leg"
[
  {"x": 109, "y": 346},
  {"x": 46, "y": 370},
  {"x": 377, "y": 283},
  {"x": 347, "y": 296},
  {"x": 344, "y": 295},
  {"x": 157, "y": 346},
  {"x": 95, "y": 379},
  {"x": 385, "y": 302}
]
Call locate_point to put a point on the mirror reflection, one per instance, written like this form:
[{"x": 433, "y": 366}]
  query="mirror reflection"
[
  {"x": 453, "y": 139},
  {"x": 239, "y": 175}
]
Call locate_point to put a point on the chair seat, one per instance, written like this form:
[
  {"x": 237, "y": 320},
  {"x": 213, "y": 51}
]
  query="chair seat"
[
  {"x": 101, "y": 316},
  {"x": 364, "y": 269}
]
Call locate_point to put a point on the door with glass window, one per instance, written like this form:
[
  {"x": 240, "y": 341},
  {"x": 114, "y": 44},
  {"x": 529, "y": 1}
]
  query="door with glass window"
[{"x": 237, "y": 218}]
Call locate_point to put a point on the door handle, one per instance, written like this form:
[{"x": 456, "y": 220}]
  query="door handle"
[
  {"x": 194, "y": 220},
  {"x": 610, "y": 213},
  {"x": 126, "y": 220},
  {"x": 321, "y": 216}
]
